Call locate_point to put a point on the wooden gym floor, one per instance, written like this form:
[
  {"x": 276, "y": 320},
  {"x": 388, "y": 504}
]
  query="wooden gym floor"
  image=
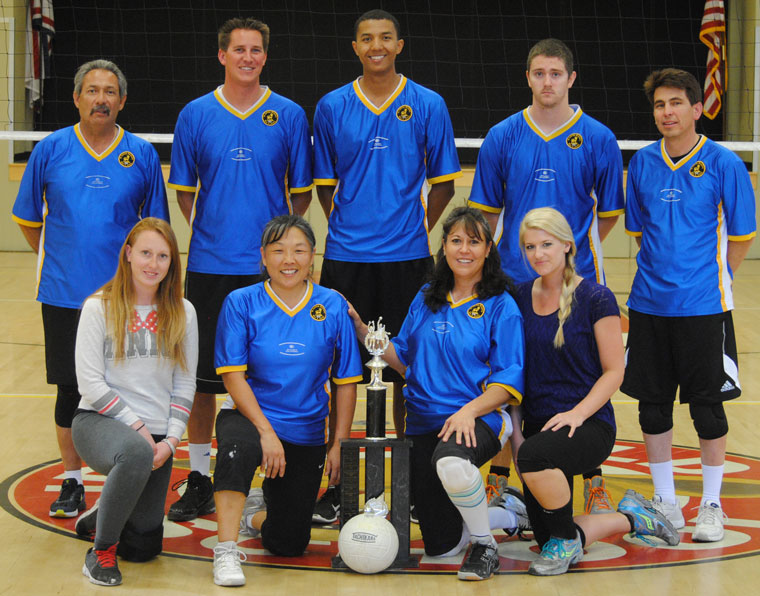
[{"x": 36, "y": 561}]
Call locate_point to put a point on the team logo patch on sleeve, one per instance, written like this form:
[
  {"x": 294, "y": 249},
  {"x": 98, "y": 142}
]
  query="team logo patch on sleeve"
[
  {"x": 404, "y": 113},
  {"x": 318, "y": 312},
  {"x": 698, "y": 169},
  {"x": 574, "y": 141},
  {"x": 127, "y": 159},
  {"x": 476, "y": 311},
  {"x": 270, "y": 117}
]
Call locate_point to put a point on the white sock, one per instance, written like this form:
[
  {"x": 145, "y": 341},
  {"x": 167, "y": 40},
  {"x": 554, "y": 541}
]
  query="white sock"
[
  {"x": 662, "y": 478},
  {"x": 498, "y": 517},
  {"x": 463, "y": 483},
  {"x": 712, "y": 479},
  {"x": 75, "y": 474},
  {"x": 200, "y": 458},
  {"x": 463, "y": 542}
]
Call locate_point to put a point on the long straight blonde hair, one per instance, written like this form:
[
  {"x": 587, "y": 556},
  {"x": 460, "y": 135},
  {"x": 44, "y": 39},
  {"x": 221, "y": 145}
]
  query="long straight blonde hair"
[
  {"x": 553, "y": 222},
  {"x": 118, "y": 297}
]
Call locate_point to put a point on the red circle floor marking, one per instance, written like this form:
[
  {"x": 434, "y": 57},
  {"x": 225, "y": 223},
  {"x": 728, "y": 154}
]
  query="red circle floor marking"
[{"x": 28, "y": 494}]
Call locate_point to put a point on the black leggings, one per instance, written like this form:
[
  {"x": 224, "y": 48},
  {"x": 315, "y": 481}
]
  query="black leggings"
[
  {"x": 289, "y": 500},
  {"x": 589, "y": 446}
]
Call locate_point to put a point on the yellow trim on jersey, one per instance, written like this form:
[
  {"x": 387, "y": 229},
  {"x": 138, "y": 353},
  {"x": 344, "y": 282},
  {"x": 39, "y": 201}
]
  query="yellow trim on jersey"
[
  {"x": 684, "y": 159},
  {"x": 182, "y": 187},
  {"x": 610, "y": 213},
  {"x": 482, "y": 207},
  {"x": 41, "y": 250},
  {"x": 291, "y": 312},
  {"x": 109, "y": 149},
  {"x": 24, "y": 222},
  {"x": 634, "y": 234},
  {"x": 445, "y": 178},
  {"x": 236, "y": 368},
  {"x": 304, "y": 189},
  {"x": 594, "y": 251},
  {"x": 347, "y": 381},
  {"x": 556, "y": 133},
  {"x": 233, "y": 110},
  {"x": 515, "y": 397},
  {"x": 370, "y": 106},
  {"x": 719, "y": 259},
  {"x": 461, "y": 302},
  {"x": 742, "y": 238},
  {"x": 325, "y": 181}
]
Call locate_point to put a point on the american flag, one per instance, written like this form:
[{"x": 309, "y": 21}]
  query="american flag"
[
  {"x": 713, "y": 35},
  {"x": 40, "y": 30}
]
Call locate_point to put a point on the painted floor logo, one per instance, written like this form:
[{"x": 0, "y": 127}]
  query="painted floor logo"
[{"x": 28, "y": 494}]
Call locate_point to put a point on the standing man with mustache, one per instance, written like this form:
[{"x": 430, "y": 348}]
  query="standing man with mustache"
[{"x": 83, "y": 189}]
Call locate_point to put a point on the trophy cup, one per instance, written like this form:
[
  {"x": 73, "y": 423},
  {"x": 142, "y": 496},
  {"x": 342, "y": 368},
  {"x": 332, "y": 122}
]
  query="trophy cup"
[{"x": 376, "y": 343}]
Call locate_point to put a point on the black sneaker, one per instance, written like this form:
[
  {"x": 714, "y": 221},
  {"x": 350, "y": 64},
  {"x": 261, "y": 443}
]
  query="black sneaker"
[
  {"x": 481, "y": 562},
  {"x": 413, "y": 515},
  {"x": 100, "y": 567},
  {"x": 197, "y": 500},
  {"x": 86, "y": 522},
  {"x": 71, "y": 500},
  {"x": 327, "y": 509}
]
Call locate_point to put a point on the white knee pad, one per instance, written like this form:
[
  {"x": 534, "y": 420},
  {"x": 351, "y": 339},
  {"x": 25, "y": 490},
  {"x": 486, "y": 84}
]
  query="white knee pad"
[{"x": 456, "y": 474}]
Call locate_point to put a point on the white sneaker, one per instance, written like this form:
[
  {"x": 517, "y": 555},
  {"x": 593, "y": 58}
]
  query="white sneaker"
[
  {"x": 709, "y": 523},
  {"x": 670, "y": 510},
  {"x": 227, "y": 568},
  {"x": 254, "y": 503}
]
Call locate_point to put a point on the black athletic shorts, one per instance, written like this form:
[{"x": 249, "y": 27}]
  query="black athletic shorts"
[
  {"x": 60, "y": 327},
  {"x": 206, "y": 292},
  {"x": 695, "y": 354},
  {"x": 440, "y": 520},
  {"x": 378, "y": 290}
]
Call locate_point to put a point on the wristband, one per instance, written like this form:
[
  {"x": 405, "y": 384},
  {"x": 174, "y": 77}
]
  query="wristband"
[{"x": 171, "y": 445}]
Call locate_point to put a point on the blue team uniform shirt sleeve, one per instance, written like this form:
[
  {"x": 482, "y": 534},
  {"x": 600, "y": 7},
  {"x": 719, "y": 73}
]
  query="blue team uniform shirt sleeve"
[
  {"x": 324, "y": 146},
  {"x": 183, "y": 171},
  {"x": 29, "y": 205},
  {"x": 632, "y": 205},
  {"x": 299, "y": 153},
  {"x": 488, "y": 183},
  {"x": 441, "y": 151},
  {"x": 608, "y": 183},
  {"x": 738, "y": 200},
  {"x": 507, "y": 353},
  {"x": 233, "y": 334},
  {"x": 347, "y": 365},
  {"x": 156, "y": 204}
]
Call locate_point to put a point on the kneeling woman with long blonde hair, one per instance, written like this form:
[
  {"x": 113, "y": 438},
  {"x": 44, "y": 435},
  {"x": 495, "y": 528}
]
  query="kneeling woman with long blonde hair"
[{"x": 136, "y": 353}]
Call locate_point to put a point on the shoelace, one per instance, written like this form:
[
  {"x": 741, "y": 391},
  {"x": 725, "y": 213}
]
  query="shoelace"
[
  {"x": 710, "y": 512},
  {"x": 107, "y": 558},
  {"x": 491, "y": 492},
  {"x": 179, "y": 484},
  {"x": 601, "y": 496},
  {"x": 226, "y": 555}
]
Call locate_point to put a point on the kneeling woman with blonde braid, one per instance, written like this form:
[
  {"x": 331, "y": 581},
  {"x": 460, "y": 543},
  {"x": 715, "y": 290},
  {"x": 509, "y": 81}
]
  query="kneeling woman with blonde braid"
[
  {"x": 574, "y": 363},
  {"x": 136, "y": 352}
]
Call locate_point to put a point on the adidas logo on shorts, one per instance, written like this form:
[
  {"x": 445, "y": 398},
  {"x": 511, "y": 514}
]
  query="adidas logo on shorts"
[{"x": 727, "y": 386}]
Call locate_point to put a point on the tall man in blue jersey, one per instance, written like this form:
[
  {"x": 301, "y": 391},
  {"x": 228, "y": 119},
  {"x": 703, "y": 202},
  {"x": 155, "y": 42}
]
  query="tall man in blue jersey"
[
  {"x": 691, "y": 208},
  {"x": 384, "y": 166},
  {"x": 83, "y": 189},
  {"x": 241, "y": 156},
  {"x": 551, "y": 154}
]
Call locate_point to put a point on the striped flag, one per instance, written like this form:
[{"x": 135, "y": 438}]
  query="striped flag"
[
  {"x": 713, "y": 35},
  {"x": 40, "y": 30}
]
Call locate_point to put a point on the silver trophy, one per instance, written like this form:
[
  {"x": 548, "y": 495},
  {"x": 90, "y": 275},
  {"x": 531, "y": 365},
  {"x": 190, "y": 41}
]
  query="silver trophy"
[{"x": 376, "y": 343}]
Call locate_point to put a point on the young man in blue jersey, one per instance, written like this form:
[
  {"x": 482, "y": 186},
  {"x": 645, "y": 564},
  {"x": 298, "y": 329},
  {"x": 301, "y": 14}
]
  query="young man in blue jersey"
[
  {"x": 691, "y": 207},
  {"x": 241, "y": 156},
  {"x": 83, "y": 189},
  {"x": 384, "y": 165},
  {"x": 551, "y": 154}
]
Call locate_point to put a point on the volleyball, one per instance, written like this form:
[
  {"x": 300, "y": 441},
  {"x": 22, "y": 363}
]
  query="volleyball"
[{"x": 368, "y": 543}]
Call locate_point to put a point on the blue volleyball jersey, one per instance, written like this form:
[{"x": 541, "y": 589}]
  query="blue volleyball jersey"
[
  {"x": 577, "y": 169},
  {"x": 381, "y": 159},
  {"x": 242, "y": 165},
  {"x": 453, "y": 355},
  {"x": 86, "y": 204},
  {"x": 289, "y": 355},
  {"x": 685, "y": 213}
]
